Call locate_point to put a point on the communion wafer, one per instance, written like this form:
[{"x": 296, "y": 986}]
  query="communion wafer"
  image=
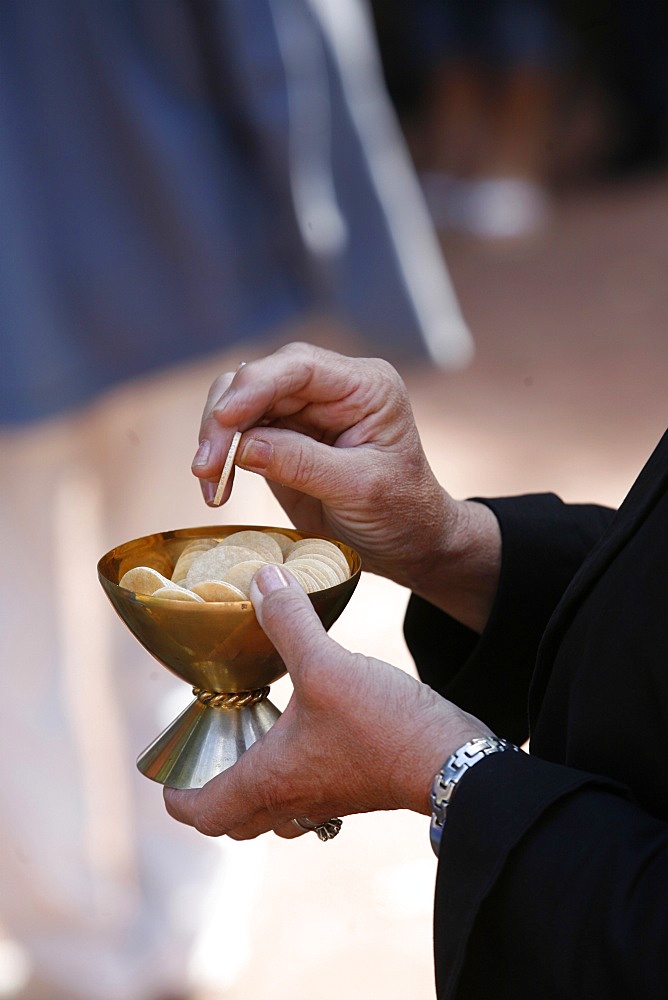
[
  {"x": 220, "y": 570},
  {"x": 227, "y": 468},
  {"x": 188, "y": 555},
  {"x": 259, "y": 541},
  {"x": 241, "y": 575},
  {"x": 214, "y": 563},
  {"x": 282, "y": 540},
  {"x": 189, "y": 552},
  {"x": 305, "y": 579},
  {"x": 184, "y": 562},
  {"x": 325, "y": 561},
  {"x": 319, "y": 546},
  {"x": 324, "y": 574},
  {"x": 216, "y": 590},
  {"x": 143, "y": 580},
  {"x": 201, "y": 542},
  {"x": 175, "y": 593}
]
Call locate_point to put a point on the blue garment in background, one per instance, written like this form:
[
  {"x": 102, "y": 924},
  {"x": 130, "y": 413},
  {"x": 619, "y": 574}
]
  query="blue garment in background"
[{"x": 175, "y": 177}]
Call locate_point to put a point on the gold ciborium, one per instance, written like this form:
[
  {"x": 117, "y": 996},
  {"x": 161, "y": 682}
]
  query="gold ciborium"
[{"x": 218, "y": 648}]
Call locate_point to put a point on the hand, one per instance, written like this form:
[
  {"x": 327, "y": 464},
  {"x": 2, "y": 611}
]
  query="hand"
[
  {"x": 357, "y": 735},
  {"x": 337, "y": 441}
]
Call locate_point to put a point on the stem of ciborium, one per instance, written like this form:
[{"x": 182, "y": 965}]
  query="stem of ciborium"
[{"x": 208, "y": 737}]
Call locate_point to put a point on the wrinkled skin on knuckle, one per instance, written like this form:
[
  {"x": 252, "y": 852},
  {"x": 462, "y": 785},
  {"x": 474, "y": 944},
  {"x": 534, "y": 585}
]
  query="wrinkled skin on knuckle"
[
  {"x": 303, "y": 472},
  {"x": 297, "y": 468},
  {"x": 208, "y": 823},
  {"x": 298, "y": 349},
  {"x": 395, "y": 398}
]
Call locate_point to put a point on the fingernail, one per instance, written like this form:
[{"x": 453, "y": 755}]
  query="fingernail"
[
  {"x": 208, "y": 490},
  {"x": 254, "y": 454},
  {"x": 270, "y": 578},
  {"x": 202, "y": 454}
]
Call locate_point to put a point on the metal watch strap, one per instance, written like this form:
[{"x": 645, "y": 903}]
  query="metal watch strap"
[{"x": 447, "y": 779}]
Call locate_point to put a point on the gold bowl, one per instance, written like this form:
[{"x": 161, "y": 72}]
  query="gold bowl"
[{"x": 217, "y": 648}]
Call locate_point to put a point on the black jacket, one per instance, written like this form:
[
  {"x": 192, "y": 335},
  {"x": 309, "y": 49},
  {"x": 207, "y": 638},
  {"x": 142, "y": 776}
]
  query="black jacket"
[{"x": 553, "y": 876}]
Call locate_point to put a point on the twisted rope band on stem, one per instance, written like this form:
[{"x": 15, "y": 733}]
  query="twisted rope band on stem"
[{"x": 239, "y": 699}]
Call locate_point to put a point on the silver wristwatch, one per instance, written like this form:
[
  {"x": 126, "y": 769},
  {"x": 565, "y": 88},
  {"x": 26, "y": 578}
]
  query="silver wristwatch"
[{"x": 451, "y": 774}]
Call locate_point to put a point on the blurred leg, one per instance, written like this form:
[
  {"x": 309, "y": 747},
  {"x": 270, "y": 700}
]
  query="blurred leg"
[{"x": 106, "y": 892}]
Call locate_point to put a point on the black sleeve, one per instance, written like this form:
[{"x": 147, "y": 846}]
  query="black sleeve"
[
  {"x": 544, "y": 543},
  {"x": 551, "y": 882}
]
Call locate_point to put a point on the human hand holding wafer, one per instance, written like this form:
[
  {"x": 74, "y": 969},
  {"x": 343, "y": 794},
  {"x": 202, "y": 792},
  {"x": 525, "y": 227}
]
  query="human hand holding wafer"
[
  {"x": 336, "y": 440},
  {"x": 334, "y": 437}
]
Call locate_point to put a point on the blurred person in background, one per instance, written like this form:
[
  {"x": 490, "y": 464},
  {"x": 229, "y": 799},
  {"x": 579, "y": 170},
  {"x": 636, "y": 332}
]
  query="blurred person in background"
[
  {"x": 621, "y": 48},
  {"x": 486, "y": 75},
  {"x": 176, "y": 179},
  {"x": 557, "y": 94}
]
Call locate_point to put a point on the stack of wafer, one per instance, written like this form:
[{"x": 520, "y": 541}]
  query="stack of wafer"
[{"x": 215, "y": 570}]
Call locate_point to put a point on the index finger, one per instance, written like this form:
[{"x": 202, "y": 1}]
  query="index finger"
[{"x": 297, "y": 378}]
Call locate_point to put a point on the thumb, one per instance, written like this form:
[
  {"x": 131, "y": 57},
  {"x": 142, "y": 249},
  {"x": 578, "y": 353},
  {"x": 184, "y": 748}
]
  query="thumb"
[
  {"x": 287, "y": 617},
  {"x": 298, "y": 462}
]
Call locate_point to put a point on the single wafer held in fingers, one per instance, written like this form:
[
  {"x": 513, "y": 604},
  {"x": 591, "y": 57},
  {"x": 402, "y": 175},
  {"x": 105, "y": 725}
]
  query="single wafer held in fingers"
[
  {"x": 229, "y": 461},
  {"x": 227, "y": 469}
]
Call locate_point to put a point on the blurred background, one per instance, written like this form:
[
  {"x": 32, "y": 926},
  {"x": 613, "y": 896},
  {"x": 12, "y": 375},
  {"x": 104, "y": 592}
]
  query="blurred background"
[{"x": 187, "y": 185}]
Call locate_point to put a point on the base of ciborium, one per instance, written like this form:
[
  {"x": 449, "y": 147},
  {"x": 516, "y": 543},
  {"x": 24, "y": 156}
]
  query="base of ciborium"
[{"x": 209, "y": 736}]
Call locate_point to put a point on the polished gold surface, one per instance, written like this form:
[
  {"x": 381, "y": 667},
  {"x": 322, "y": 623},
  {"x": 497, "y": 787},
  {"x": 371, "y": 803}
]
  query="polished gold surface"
[{"x": 217, "y": 648}]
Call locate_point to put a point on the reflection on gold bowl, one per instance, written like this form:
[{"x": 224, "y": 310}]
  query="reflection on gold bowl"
[{"x": 218, "y": 648}]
